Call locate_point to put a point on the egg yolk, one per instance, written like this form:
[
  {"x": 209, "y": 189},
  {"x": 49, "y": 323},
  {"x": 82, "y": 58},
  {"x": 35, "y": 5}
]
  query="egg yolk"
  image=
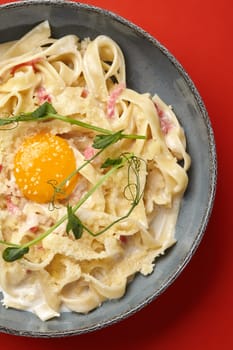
[{"x": 42, "y": 160}]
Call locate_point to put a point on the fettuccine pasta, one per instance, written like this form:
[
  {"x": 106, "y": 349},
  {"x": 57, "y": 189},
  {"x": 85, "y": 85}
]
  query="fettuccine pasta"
[{"x": 85, "y": 80}]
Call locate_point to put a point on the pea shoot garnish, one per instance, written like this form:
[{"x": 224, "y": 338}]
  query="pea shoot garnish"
[
  {"x": 47, "y": 112},
  {"x": 133, "y": 187},
  {"x": 104, "y": 139}
]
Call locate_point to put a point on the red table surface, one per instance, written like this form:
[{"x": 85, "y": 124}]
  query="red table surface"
[{"x": 196, "y": 311}]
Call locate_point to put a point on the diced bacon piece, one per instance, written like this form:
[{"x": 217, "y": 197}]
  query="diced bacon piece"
[
  {"x": 165, "y": 123},
  {"x": 31, "y": 63},
  {"x": 11, "y": 207},
  {"x": 43, "y": 95},
  {"x": 34, "y": 229},
  {"x": 116, "y": 92},
  {"x": 123, "y": 239},
  {"x": 159, "y": 110},
  {"x": 1, "y": 167},
  {"x": 89, "y": 152},
  {"x": 84, "y": 93}
]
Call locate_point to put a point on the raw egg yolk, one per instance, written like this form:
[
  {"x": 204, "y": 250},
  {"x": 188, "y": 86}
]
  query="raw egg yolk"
[{"x": 42, "y": 160}]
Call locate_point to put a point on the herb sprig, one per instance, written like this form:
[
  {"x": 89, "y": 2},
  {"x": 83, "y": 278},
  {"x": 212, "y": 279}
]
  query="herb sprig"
[
  {"x": 46, "y": 112},
  {"x": 101, "y": 141},
  {"x": 134, "y": 195},
  {"x": 14, "y": 252}
]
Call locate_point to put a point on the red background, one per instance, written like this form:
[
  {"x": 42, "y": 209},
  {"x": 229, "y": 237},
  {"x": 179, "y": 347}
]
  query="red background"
[{"x": 196, "y": 312}]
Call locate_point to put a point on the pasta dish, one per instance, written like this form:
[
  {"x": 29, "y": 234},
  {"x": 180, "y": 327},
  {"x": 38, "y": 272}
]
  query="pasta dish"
[{"x": 92, "y": 174}]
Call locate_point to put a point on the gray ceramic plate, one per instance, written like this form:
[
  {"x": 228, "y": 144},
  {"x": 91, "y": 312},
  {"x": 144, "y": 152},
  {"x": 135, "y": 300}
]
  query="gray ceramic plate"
[{"x": 158, "y": 72}]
